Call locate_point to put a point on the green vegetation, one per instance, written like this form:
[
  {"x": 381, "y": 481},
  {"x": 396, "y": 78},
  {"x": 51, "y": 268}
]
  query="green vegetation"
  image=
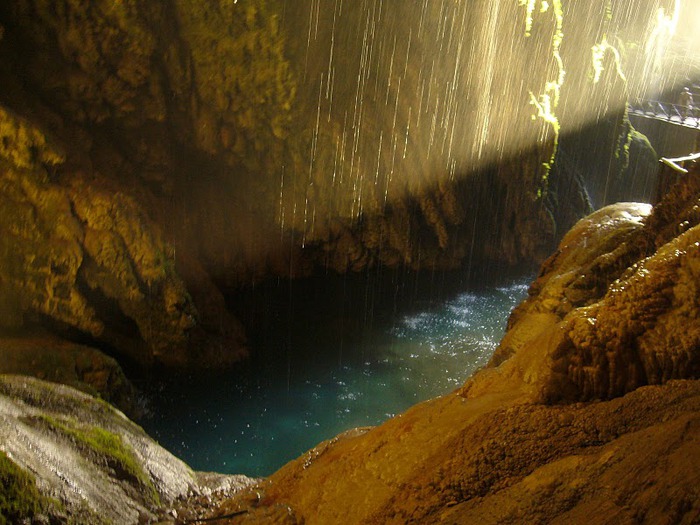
[
  {"x": 110, "y": 446},
  {"x": 19, "y": 497},
  {"x": 547, "y": 102},
  {"x": 624, "y": 143},
  {"x": 598, "y": 56}
]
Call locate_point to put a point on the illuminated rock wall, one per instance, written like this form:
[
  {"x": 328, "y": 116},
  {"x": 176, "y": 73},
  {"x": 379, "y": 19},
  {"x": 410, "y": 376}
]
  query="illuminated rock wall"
[{"x": 211, "y": 145}]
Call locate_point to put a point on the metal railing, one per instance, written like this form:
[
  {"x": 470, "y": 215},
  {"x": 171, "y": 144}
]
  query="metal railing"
[{"x": 688, "y": 116}]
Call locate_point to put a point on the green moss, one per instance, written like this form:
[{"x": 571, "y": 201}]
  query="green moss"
[
  {"x": 110, "y": 446},
  {"x": 548, "y": 101},
  {"x": 19, "y": 497}
]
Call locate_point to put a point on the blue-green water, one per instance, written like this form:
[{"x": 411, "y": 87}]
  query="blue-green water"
[{"x": 324, "y": 365}]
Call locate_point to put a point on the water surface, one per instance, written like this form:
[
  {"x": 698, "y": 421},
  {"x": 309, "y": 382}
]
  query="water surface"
[{"x": 328, "y": 358}]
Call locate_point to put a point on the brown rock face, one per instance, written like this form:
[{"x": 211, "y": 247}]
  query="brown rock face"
[
  {"x": 622, "y": 291},
  {"x": 79, "y": 366},
  {"x": 588, "y": 413},
  {"x": 85, "y": 256},
  {"x": 204, "y": 112},
  {"x": 658, "y": 337}
]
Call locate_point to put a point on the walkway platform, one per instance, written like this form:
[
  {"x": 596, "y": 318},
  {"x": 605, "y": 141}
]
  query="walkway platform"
[{"x": 688, "y": 117}]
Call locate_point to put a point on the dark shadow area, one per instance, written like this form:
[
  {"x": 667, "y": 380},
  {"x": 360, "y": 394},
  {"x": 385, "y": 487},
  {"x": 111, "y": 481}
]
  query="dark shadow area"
[{"x": 349, "y": 308}]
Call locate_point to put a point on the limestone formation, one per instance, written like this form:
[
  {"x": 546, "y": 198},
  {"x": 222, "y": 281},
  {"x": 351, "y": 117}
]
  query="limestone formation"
[
  {"x": 84, "y": 256},
  {"x": 619, "y": 300},
  {"x": 199, "y": 109}
]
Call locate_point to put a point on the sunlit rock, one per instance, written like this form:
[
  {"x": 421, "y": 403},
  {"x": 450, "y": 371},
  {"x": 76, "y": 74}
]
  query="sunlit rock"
[
  {"x": 590, "y": 257},
  {"x": 614, "y": 307},
  {"x": 643, "y": 331}
]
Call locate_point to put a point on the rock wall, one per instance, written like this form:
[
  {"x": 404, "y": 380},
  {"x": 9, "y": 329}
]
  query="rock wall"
[
  {"x": 188, "y": 148},
  {"x": 84, "y": 255}
]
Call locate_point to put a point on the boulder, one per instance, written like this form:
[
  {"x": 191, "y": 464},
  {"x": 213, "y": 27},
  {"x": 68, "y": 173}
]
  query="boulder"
[
  {"x": 82, "y": 367},
  {"x": 82, "y": 461}
]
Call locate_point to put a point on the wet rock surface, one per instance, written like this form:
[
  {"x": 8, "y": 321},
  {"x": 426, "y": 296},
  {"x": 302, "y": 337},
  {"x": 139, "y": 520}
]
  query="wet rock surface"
[
  {"x": 501, "y": 459},
  {"x": 92, "y": 463},
  {"x": 619, "y": 297}
]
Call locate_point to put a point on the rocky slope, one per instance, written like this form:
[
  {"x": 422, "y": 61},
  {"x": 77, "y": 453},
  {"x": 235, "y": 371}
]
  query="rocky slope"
[
  {"x": 75, "y": 459},
  {"x": 588, "y": 413}
]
